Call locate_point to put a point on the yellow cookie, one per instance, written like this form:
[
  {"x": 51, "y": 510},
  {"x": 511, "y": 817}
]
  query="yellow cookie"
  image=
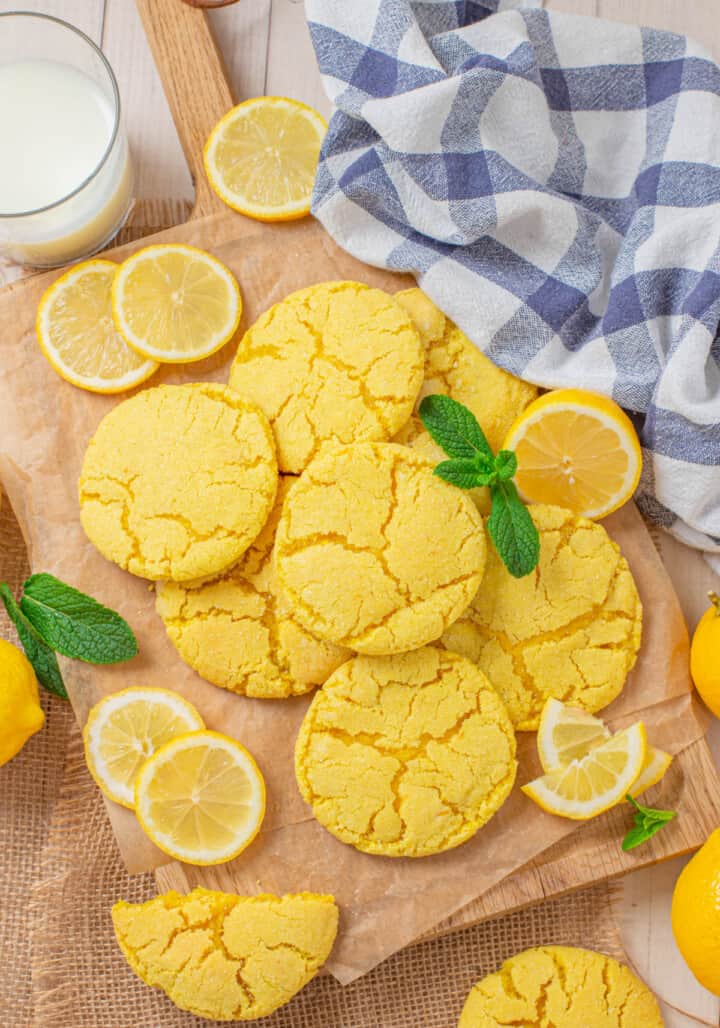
[
  {"x": 227, "y": 957},
  {"x": 571, "y": 629},
  {"x": 177, "y": 481},
  {"x": 454, "y": 366},
  {"x": 564, "y": 987},
  {"x": 376, "y": 553},
  {"x": 238, "y": 632},
  {"x": 406, "y": 756},
  {"x": 337, "y": 362}
]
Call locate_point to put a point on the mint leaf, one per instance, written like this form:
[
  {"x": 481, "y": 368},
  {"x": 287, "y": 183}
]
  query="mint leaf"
[
  {"x": 465, "y": 474},
  {"x": 505, "y": 464},
  {"x": 454, "y": 428},
  {"x": 75, "y": 624},
  {"x": 648, "y": 822},
  {"x": 41, "y": 657},
  {"x": 512, "y": 530}
]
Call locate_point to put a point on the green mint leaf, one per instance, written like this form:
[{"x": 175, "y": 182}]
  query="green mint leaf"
[
  {"x": 505, "y": 465},
  {"x": 462, "y": 473},
  {"x": 647, "y": 823},
  {"x": 512, "y": 530},
  {"x": 74, "y": 624},
  {"x": 41, "y": 657},
  {"x": 454, "y": 428}
]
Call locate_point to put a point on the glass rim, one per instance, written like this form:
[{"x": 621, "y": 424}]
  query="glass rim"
[{"x": 116, "y": 125}]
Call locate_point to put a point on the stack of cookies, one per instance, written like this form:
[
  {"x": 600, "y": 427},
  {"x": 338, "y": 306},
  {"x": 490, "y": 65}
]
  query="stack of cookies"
[{"x": 300, "y": 539}]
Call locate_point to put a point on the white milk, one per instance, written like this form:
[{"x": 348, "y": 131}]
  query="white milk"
[{"x": 56, "y": 125}]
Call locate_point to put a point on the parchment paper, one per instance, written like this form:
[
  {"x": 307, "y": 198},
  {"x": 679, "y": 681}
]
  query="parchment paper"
[{"x": 45, "y": 425}]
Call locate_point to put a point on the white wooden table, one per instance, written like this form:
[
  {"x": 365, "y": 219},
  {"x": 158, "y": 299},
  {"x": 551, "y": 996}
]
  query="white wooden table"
[{"x": 267, "y": 50}]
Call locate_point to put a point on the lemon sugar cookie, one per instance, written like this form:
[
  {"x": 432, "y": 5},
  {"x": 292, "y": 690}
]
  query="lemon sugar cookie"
[
  {"x": 570, "y": 630},
  {"x": 564, "y": 987},
  {"x": 238, "y": 632},
  {"x": 406, "y": 756},
  {"x": 178, "y": 480},
  {"x": 376, "y": 553},
  {"x": 456, "y": 367},
  {"x": 227, "y": 957},
  {"x": 337, "y": 362}
]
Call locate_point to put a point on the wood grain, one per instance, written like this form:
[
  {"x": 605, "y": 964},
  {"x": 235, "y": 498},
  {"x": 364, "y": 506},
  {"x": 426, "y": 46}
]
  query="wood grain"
[{"x": 195, "y": 83}]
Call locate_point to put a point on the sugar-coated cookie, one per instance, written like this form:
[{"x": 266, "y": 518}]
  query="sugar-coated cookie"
[
  {"x": 337, "y": 362},
  {"x": 238, "y": 632},
  {"x": 376, "y": 553},
  {"x": 406, "y": 756},
  {"x": 571, "y": 629},
  {"x": 178, "y": 481}
]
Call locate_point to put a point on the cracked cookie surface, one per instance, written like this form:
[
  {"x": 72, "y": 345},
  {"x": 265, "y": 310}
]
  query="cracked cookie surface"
[
  {"x": 337, "y": 362},
  {"x": 406, "y": 756},
  {"x": 227, "y": 957},
  {"x": 178, "y": 480},
  {"x": 238, "y": 632},
  {"x": 571, "y": 629},
  {"x": 376, "y": 553},
  {"x": 561, "y": 987},
  {"x": 456, "y": 367}
]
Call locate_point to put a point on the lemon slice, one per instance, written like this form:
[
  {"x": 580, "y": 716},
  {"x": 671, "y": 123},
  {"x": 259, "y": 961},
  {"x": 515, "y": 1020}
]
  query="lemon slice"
[
  {"x": 125, "y": 728},
  {"x": 201, "y": 798},
  {"x": 596, "y": 782},
  {"x": 656, "y": 764},
  {"x": 174, "y": 303},
  {"x": 566, "y": 734},
  {"x": 77, "y": 335},
  {"x": 578, "y": 450},
  {"x": 261, "y": 158}
]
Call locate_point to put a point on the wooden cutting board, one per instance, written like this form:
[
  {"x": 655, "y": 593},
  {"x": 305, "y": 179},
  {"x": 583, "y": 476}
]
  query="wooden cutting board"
[{"x": 198, "y": 95}]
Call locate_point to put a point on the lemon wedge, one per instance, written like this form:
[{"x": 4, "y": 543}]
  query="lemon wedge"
[
  {"x": 125, "y": 728},
  {"x": 201, "y": 798},
  {"x": 656, "y": 764},
  {"x": 174, "y": 303},
  {"x": 261, "y": 158},
  {"x": 77, "y": 335},
  {"x": 576, "y": 449},
  {"x": 566, "y": 734},
  {"x": 591, "y": 785}
]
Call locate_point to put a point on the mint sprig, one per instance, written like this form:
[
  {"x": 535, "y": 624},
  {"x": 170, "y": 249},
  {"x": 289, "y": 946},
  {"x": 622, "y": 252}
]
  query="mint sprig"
[
  {"x": 647, "y": 823},
  {"x": 473, "y": 464},
  {"x": 53, "y": 617}
]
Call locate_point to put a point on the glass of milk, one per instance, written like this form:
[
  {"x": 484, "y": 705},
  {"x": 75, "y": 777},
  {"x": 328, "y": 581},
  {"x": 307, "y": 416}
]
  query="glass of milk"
[{"x": 65, "y": 174}]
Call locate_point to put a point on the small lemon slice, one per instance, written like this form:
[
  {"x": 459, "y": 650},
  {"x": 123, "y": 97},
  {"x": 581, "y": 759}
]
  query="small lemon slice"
[
  {"x": 77, "y": 335},
  {"x": 578, "y": 450},
  {"x": 596, "y": 782},
  {"x": 656, "y": 764},
  {"x": 261, "y": 158},
  {"x": 125, "y": 728},
  {"x": 566, "y": 734},
  {"x": 174, "y": 303},
  {"x": 201, "y": 798}
]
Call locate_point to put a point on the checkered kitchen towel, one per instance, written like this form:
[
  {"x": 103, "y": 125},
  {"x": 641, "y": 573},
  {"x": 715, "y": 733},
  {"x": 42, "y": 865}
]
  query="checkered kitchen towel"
[{"x": 554, "y": 183}]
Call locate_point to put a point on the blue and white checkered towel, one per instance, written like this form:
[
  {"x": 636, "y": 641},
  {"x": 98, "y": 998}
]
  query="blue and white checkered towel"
[{"x": 554, "y": 184}]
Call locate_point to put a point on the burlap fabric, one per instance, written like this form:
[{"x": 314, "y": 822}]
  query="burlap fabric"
[{"x": 60, "y": 874}]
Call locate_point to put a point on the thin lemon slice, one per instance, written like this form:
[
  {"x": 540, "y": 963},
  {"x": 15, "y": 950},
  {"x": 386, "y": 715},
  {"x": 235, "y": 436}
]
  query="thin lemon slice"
[
  {"x": 77, "y": 335},
  {"x": 596, "y": 782},
  {"x": 125, "y": 728},
  {"x": 578, "y": 450},
  {"x": 261, "y": 158},
  {"x": 174, "y": 303},
  {"x": 201, "y": 798},
  {"x": 566, "y": 734},
  {"x": 656, "y": 764}
]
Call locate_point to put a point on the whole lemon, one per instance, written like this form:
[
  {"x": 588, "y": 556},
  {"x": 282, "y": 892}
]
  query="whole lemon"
[
  {"x": 20, "y": 712},
  {"x": 705, "y": 655},
  {"x": 696, "y": 914}
]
